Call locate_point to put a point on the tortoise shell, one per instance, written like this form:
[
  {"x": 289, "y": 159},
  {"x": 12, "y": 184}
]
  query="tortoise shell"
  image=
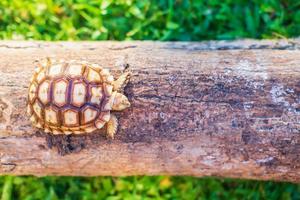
[{"x": 69, "y": 97}]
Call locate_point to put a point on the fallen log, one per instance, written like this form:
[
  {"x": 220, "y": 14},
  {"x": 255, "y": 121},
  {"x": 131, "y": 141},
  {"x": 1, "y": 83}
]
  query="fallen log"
[{"x": 225, "y": 109}]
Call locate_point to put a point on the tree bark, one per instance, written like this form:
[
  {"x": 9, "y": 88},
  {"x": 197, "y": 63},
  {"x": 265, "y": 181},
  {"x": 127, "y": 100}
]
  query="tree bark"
[{"x": 225, "y": 109}]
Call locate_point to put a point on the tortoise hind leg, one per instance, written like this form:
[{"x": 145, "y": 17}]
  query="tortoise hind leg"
[
  {"x": 121, "y": 82},
  {"x": 112, "y": 126}
]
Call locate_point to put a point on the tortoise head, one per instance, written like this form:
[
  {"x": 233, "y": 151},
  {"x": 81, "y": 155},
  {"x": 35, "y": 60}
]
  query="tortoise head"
[{"x": 120, "y": 102}]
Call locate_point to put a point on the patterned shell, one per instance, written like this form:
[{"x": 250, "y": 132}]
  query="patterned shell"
[{"x": 71, "y": 97}]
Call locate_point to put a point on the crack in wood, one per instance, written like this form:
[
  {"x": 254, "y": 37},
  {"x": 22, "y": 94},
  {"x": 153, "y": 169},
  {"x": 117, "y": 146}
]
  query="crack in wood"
[
  {"x": 7, "y": 167},
  {"x": 234, "y": 45},
  {"x": 122, "y": 47}
]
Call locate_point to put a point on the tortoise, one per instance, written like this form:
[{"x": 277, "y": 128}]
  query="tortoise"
[{"x": 72, "y": 97}]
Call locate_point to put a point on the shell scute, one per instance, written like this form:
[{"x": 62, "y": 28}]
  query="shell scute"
[
  {"x": 38, "y": 109},
  {"x": 107, "y": 88},
  {"x": 93, "y": 76},
  {"x": 75, "y": 70},
  {"x": 44, "y": 92},
  {"x": 90, "y": 129},
  {"x": 78, "y": 93},
  {"x": 55, "y": 70},
  {"x": 33, "y": 119},
  {"x": 52, "y": 116},
  {"x": 88, "y": 114},
  {"x": 41, "y": 76},
  {"x": 106, "y": 77},
  {"x": 96, "y": 94},
  {"x": 99, "y": 123},
  {"x": 70, "y": 118},
  {"x": 60, "y": 94},
  {"x": 29, "y": 110},
  {"x": 32, "y": 92}
]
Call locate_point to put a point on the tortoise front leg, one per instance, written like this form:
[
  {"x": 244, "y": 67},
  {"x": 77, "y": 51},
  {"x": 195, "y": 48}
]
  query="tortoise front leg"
[
  {"x": 112, "y": 126},
  {"x": 121, "y": 82}
]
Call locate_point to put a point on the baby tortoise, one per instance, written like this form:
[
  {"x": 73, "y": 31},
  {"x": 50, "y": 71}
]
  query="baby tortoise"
[{"x": 75, "y": 97}]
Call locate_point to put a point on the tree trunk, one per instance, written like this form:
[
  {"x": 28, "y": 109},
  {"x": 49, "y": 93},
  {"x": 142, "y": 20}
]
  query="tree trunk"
[{"x": 226, "y": 109}]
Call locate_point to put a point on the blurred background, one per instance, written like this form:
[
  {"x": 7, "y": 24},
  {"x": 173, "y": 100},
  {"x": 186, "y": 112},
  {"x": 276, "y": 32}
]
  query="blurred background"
[
  {"x": 176, "y": 20},
  {"x": 148, "y": 20}
]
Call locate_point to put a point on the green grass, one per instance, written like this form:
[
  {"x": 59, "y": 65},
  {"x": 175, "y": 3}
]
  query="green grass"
[
  {"x": 146, "y": 20},
  {"x": 26, "y": 188}
]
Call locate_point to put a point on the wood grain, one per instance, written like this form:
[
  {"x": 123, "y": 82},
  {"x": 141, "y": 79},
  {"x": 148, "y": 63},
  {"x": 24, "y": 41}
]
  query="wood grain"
[{"x": 226, "y": 109}]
